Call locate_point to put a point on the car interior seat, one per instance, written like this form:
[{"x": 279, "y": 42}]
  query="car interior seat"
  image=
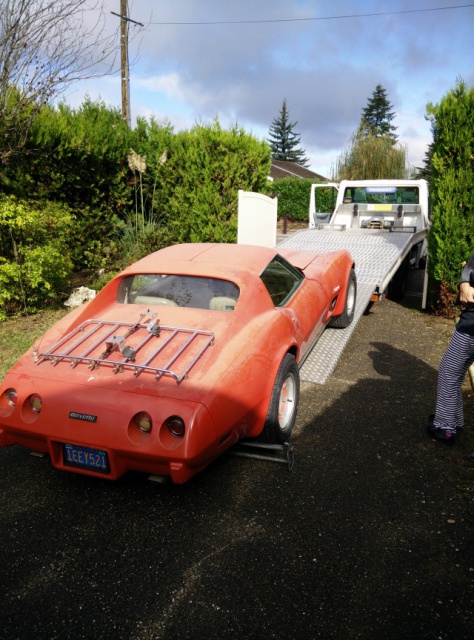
[{"x": 222, "y": 303}]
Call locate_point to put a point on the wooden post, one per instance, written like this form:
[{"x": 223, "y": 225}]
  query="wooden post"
[{"x": 124, "y": 62}]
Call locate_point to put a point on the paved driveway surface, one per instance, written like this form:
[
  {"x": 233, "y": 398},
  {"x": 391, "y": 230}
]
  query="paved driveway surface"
[{"x": 370, "y": 536}]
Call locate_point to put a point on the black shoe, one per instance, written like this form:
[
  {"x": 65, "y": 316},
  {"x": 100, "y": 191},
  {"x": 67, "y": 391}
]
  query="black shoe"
[
  {"x": 446, "y": 436},
  {"x": 431, "y": 418}
]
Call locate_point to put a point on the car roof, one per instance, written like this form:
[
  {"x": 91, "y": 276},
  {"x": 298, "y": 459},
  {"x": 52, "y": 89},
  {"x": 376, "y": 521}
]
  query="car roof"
[{"x": 237, "y": 256}]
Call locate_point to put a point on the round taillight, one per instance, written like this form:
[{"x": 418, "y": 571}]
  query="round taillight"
[
  {"x": 35, "y": 403},
  {"x": 144, "y": 422},
  {"x": 11, "y": 396},
  {"x": 176, "y": 426}
]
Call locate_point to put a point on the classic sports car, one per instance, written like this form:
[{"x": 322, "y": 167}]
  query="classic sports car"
[{"x": 180, "y": 356}]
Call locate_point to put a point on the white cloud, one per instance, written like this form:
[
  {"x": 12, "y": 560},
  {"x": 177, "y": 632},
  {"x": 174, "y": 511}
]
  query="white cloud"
[
  {"x": 169, "y": 84},
  {"x": 327, "y": 69}
]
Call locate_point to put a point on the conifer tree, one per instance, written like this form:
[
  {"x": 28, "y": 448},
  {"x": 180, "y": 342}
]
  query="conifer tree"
[
  {"x": 378, "y": 115},
  {"x": 452, "y": 190},
  {"x": 284, "y": 141}
]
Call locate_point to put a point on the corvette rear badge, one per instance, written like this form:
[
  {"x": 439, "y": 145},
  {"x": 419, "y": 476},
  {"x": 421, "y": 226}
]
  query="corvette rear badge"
[{"x": 82, "y": 416}]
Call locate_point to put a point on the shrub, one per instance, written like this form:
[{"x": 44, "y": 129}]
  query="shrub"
[
  {"x": 452, "y": 192},
  {"x": 94, "y": 239},
  {"x": 139, "y": 242},
  {"x": 79, "y": 157},
  {"x": 293, "y": 197},
  {"x": 35, "y": 262},
  {"x": 200, "y": 181}
]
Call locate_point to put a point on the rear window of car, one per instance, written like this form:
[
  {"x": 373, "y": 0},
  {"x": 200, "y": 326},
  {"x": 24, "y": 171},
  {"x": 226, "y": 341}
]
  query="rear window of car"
[
  {"x": 281, "y": 280},
  {"x": 195, "y": 292}
]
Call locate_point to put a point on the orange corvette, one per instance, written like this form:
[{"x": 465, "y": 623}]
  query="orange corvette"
[{"x": 180, "y": 356}]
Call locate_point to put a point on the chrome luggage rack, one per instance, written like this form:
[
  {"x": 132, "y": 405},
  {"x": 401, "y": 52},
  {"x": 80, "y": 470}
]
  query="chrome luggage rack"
[{"x": 102, "y": 344}]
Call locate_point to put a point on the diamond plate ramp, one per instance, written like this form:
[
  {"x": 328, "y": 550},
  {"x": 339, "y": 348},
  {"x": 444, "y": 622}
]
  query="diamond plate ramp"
[
  {"x": 324, "y": 356},
  {"x": 376, "y": 253}
]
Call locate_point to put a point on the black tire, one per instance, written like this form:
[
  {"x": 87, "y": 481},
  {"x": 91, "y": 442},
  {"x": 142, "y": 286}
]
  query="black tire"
[
  {"x": 347, "y": 316},
  {"x": 397, "y": 286},
  {"x": 283, "y": 406}
]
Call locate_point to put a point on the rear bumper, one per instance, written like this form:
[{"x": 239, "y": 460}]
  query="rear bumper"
[
  {"x": 119, "y": 461},
  {"x": 103, "y": 420}
]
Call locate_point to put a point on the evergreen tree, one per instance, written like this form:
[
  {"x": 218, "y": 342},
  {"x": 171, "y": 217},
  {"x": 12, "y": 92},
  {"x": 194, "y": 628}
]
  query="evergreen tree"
[
  {"x": 283, "y": 140},
  {"x": 378, "y": 114},
  {"x": 452, "y": 190}
]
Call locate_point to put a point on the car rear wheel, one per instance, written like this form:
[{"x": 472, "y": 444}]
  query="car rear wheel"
[
  {"x": 345, "y": 318},
  {"x": 281, "y": 414}
]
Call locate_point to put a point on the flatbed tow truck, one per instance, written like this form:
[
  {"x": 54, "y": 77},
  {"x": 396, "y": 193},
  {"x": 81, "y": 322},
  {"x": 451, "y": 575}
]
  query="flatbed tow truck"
[{"x": 383, "y": 224}]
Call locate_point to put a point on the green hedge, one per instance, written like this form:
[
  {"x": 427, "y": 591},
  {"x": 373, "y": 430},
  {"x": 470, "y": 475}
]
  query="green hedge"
[
  {"x": 293, "y": 197},
  {"x": 185, "y": 189},
  {"x": 451, "y": 236},
  {"x": 200, "y": 180},
  {"x": 83, "y": 162}
]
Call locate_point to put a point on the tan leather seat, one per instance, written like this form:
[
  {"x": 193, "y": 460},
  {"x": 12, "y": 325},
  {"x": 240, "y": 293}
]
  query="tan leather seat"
[{"x": 222, "y": 303}]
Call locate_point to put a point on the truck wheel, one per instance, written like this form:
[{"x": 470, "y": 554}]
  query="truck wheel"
[
  {"x": 281, "y": 414},
  {"x": 344, "y": 320},
  {"x": 397, "y": 286}
]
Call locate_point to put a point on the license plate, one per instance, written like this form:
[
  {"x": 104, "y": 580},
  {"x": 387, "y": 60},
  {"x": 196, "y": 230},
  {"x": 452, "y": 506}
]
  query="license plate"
[{"x": 85, "y": 458}]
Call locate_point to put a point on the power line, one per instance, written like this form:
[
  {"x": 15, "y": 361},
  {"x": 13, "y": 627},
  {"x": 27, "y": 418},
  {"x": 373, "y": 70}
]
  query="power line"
[{"x": 354, "y": 15}]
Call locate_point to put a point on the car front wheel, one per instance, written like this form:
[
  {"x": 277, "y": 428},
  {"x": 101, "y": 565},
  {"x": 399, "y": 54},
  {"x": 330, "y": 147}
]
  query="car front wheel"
[{"x": 281, "y": 414}]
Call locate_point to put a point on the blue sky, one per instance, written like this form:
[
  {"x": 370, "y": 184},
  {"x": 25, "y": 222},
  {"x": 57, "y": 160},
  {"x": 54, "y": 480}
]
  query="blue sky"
[{"x": 324, "y": 56}]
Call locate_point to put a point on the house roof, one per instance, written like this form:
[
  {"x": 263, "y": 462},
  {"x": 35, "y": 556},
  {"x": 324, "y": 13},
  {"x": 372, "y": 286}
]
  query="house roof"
[{"x": 284, "y": 169}]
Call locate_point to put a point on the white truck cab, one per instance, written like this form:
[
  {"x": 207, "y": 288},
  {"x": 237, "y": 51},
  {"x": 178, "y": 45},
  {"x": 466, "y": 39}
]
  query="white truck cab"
[
  {"x": 373, "y": 204},
  {"x": 384, "y": 225},
  {"x": 390, "y": 205}
]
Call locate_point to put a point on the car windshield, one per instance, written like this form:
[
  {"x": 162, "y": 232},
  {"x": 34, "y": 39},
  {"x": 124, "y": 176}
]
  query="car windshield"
[
  {"x": 195, "y": 292},
  {"x": 382, "y": 195},
  {"x": 281, "y": 280}
]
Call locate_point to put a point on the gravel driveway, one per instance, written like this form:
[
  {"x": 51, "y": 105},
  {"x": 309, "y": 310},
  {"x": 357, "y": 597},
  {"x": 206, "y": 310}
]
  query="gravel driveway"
[{"x": 369, "y": 537}]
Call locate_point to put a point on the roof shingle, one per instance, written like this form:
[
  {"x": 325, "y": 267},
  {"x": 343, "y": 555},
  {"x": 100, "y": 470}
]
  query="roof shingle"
[{"x": 284, "y": 169}]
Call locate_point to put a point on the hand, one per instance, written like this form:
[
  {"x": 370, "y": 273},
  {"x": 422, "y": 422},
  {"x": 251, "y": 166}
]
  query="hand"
[{"x": 466, "y": 293}]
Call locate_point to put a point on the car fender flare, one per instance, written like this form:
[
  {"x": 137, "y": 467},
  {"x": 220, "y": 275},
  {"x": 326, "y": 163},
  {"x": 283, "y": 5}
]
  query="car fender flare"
[
  {"x": 262, "y": 409},
  {"x": 341, "y": 296}
]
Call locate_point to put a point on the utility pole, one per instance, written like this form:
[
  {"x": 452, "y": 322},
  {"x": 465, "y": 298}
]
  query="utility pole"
[
  {"x": 124, "y": 66},
  {"x": 124, "y": 62}
]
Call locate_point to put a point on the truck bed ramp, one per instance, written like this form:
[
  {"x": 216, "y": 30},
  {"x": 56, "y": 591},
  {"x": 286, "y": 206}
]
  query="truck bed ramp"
[{"x": 377, "y": 254}]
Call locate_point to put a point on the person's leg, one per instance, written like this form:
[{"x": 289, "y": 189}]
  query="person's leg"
[{"x": 456, "y": 361}]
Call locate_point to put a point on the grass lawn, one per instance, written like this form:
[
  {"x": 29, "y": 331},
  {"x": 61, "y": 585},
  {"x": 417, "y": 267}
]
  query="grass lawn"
[{"x": 17, "y": 335}]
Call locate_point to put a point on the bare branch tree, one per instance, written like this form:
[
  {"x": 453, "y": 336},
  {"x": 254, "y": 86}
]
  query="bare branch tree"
[{"x": 45, "y": 45}]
